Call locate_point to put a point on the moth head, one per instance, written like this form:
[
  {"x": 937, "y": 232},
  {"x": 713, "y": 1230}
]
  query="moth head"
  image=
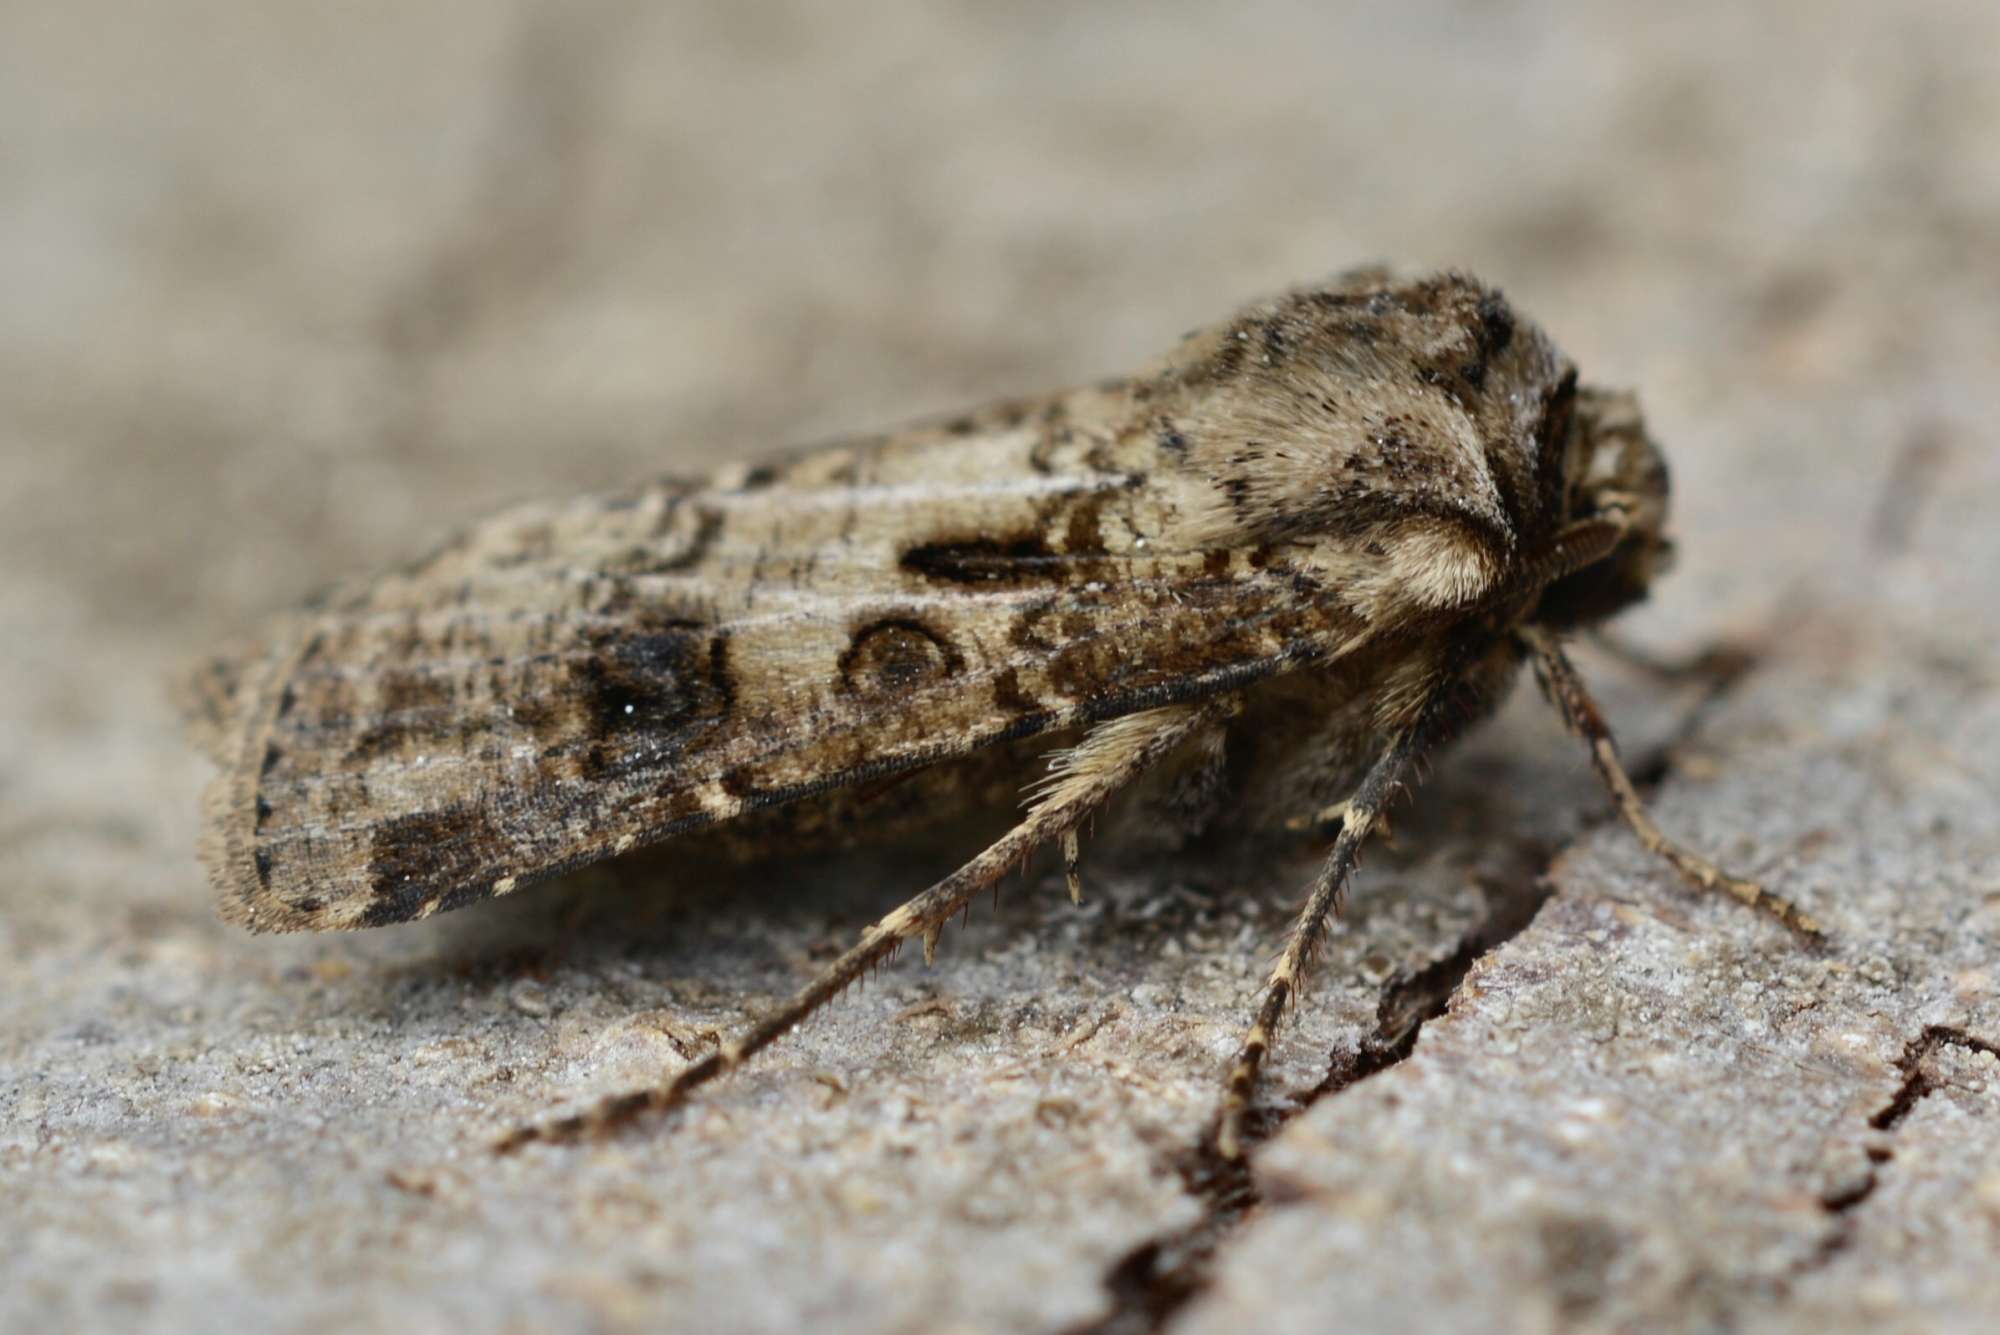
[{"x": 1617, "y": 484}]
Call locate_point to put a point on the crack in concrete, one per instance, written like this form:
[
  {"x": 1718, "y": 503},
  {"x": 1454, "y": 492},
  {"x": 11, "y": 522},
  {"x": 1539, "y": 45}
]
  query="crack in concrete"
[
  {"x": 1917, "y": 1085},
  {"x": 1155, "y": 1280}
]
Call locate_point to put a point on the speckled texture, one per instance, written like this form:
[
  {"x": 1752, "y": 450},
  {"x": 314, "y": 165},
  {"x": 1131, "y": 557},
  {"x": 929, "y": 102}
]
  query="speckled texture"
[{"x": 291, "y": 295}]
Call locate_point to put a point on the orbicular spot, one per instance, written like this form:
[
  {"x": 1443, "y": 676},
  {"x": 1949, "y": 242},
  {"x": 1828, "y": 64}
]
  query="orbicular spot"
[{"x": 897, "y": 654}]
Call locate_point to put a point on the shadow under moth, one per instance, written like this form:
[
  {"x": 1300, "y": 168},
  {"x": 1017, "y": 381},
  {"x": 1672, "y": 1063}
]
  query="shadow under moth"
[{"x": 1272, "y": 570}]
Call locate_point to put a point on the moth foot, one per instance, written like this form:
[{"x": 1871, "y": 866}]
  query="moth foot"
[
  {"x": 610, "y": 1115},
  {"x": 1705, "y": 875}
]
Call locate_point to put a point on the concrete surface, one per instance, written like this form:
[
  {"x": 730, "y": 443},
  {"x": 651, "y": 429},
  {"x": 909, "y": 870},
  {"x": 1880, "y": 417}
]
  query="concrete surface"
[{"x": 290, "y": 292}]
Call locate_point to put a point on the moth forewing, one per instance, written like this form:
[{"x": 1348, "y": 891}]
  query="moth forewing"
[
  {"x": 1306, "y": 543},
  {"x": 542, "y": 693}
]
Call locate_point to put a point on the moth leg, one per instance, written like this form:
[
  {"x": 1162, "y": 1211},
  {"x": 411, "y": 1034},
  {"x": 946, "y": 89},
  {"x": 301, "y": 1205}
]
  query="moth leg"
[
  {"x": 1072, "y": 852},
  {"x": 1560, "y": 682},
  {"x": 1080, "y": 779},
  {"x": 1360, "y": 814}
]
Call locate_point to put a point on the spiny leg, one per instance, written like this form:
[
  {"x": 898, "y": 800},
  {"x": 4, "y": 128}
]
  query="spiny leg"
[
  {"x": 1565, "y": 688},
  {"x": 1360, "y": 814},
  {"x": 1331, "y": 818},
  {"x": 1081, "y": 778},
  {"x": 1072, "y": 852},
  {"x": 1195, "y": 776}
]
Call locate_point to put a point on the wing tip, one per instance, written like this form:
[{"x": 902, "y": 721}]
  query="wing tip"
[
  {"x": 231, "y": 703},
  {"x": 227, "y": 851}
]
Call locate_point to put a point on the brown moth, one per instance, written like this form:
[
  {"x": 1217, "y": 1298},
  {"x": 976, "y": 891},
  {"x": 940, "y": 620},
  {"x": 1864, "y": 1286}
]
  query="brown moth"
[{"x": 1302, "y": 550}]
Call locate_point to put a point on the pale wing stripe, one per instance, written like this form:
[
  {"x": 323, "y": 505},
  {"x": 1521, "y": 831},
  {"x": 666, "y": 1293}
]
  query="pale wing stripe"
[{"x": 835, "y": 608}]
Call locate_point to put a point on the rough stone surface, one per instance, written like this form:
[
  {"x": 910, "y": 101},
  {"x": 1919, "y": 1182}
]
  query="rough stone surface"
[{"x": 291, "y": 292}]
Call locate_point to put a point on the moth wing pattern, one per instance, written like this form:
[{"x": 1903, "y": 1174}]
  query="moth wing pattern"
[
  {"x": 1335, "y": 468},
  {"x": 563, "y": 684}
]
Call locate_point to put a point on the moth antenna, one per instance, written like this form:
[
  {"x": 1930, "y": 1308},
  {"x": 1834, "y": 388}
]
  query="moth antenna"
[
  {"x": 1566, "y": 690},
  {"x": 1111, "y": 756}
]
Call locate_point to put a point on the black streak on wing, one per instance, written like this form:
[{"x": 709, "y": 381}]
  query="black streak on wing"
[{"x": 987, "y": 561}]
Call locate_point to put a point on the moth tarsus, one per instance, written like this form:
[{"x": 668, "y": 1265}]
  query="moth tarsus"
[
  {"x": 1565, "y": 687},
  {"x": 1256, "y": 582}
]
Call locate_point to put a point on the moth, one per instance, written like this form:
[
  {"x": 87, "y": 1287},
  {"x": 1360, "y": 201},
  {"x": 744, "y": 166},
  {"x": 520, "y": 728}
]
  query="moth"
[{"x": 1256, "y": 580}]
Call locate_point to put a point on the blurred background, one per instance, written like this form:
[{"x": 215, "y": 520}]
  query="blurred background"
[
  {"x": 289, "y": 291},
  {"x": 292, "y": 288}
]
